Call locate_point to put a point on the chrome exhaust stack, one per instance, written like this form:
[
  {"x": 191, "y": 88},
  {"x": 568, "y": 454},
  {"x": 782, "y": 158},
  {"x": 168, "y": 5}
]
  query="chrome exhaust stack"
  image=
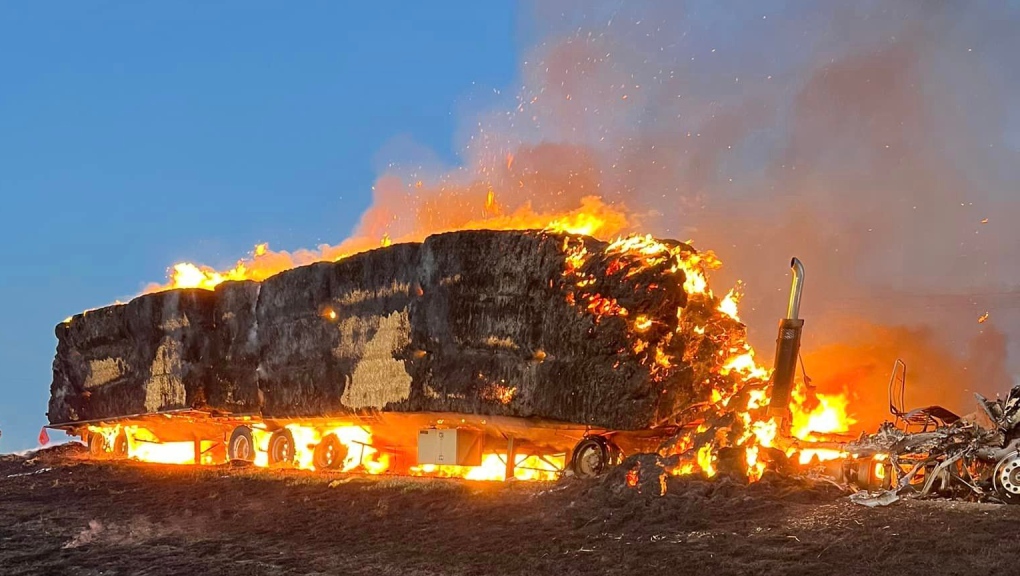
[{"x": 788, "y": 350}]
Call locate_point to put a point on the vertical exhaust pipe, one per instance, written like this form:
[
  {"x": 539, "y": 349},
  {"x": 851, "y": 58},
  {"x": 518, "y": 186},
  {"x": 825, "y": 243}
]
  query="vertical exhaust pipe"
[{"x": 788, "y": 350}]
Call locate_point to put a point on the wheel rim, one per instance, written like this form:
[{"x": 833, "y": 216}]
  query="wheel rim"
[
  {"x": 1008, "y": 475},
  {"x": 241, "y": 448},
  {"x": 329, "y": 454},
  {"x": 281, "y": 448},
  {"x": 120, "y": 446},
  {"x": 97, "y": 444},
  {"x": 591, "y": 460}
]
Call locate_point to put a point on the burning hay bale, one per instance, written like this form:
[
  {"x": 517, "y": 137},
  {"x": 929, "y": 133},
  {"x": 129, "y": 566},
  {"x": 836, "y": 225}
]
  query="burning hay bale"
[
  {"x": 621, "y": 335},
  {"x": 565, "y": 328}
]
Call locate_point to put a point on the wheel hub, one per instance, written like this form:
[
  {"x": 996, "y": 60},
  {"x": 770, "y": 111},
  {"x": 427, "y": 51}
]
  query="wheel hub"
[
  {"x": 283, "y": 451},
  {"x": 590, "y": 458},
  {"x": 242, "y": 448},
  {"x": 591, "y": 461},
  {"x": 1007, "y": 476}
]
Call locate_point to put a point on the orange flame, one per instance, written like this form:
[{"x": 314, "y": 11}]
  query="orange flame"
[
  {"x": 493, "y": 468},
  {"x": 593, "y": 217}
]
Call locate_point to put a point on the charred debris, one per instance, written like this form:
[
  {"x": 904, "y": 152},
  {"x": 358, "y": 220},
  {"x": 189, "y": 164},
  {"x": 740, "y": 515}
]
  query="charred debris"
[{"x": 931, "y": 452}]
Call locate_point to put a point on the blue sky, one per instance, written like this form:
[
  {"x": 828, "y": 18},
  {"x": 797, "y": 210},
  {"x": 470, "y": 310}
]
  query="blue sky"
[
  {"x": 134, "y": 135},
  {"x": 137, "y": 134}
]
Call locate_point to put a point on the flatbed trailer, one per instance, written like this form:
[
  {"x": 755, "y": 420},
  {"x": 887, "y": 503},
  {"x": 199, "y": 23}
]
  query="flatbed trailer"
[{"x": 428, "y": 443}]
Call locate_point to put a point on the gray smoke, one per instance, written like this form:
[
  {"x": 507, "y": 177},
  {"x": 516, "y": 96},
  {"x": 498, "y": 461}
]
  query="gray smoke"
[{"x": 870, "y": 139}]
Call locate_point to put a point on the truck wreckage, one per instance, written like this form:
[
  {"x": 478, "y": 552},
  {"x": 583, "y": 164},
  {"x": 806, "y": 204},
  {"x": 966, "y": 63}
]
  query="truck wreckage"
[{"x": 933, "y": 452}]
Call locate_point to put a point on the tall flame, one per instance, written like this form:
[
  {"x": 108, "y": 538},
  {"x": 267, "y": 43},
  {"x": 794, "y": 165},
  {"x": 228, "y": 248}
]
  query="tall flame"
[{"x": 593, "y": 217}]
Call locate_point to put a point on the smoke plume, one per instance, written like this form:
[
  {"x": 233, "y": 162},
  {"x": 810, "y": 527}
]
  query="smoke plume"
[{"x": 872, "y": 139}]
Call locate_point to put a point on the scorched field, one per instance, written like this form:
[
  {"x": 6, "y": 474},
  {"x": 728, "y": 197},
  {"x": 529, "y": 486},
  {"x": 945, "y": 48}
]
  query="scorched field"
[{"x": 61, "y": 514}]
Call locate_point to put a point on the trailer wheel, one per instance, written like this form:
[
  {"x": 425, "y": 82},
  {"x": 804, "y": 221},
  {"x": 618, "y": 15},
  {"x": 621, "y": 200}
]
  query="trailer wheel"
[
  {"x": 592, "y": 456},
  {"x": 241, "y": 445},
  {"x": 329, "y": 454},
  {"x": 120, "y": 446},
  {"x": 281, "y": 448},
  {"x": 97, "y": 444}
]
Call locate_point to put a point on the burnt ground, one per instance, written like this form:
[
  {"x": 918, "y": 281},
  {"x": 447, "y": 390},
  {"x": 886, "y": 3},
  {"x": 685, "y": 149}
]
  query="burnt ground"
[{"x": 79, "y": 517}]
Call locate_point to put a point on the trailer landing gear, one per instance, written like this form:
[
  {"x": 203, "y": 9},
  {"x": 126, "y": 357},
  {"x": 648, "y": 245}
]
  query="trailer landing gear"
[
  {"x": 241, "y": 445},
  {"x": 592, "y": 456}
]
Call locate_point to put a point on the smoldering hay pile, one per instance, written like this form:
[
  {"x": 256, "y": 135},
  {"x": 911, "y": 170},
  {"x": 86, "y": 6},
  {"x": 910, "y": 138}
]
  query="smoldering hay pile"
[{"x": 622, "y": 335}]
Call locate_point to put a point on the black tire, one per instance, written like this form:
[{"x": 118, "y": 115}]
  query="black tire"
[
  {"x": 329, "y": 454},
  {"x": 592, "y": 456},
  {"x": 242, "y": 445},
  {"x": 281, "y": 448}
]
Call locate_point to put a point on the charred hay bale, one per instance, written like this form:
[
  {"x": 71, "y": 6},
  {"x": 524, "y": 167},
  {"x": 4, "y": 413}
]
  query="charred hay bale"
[
  {"x": 333, "y": 335},
  {"x": 506, "y": 330},
  {"x": 234, "y": 354},
  {"x": 497, "y": 332},
  {"x": 143, "y": 356},
  {"x": 635, "y": 303}
]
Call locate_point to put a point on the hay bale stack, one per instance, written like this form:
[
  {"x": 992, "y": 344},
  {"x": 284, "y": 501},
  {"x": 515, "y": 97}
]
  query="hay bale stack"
[
  {"x": 503, "y": 334},
  {"x": 233, "y": 355},
  {"x": 477, "y": 322},
  {"x": 143, "y": 356},
  {"x": 332, "y": 335}
]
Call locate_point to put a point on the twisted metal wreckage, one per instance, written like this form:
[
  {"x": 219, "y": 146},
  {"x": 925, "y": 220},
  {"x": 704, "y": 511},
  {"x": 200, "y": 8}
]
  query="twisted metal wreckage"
[{"x": 931, "y": 452}]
